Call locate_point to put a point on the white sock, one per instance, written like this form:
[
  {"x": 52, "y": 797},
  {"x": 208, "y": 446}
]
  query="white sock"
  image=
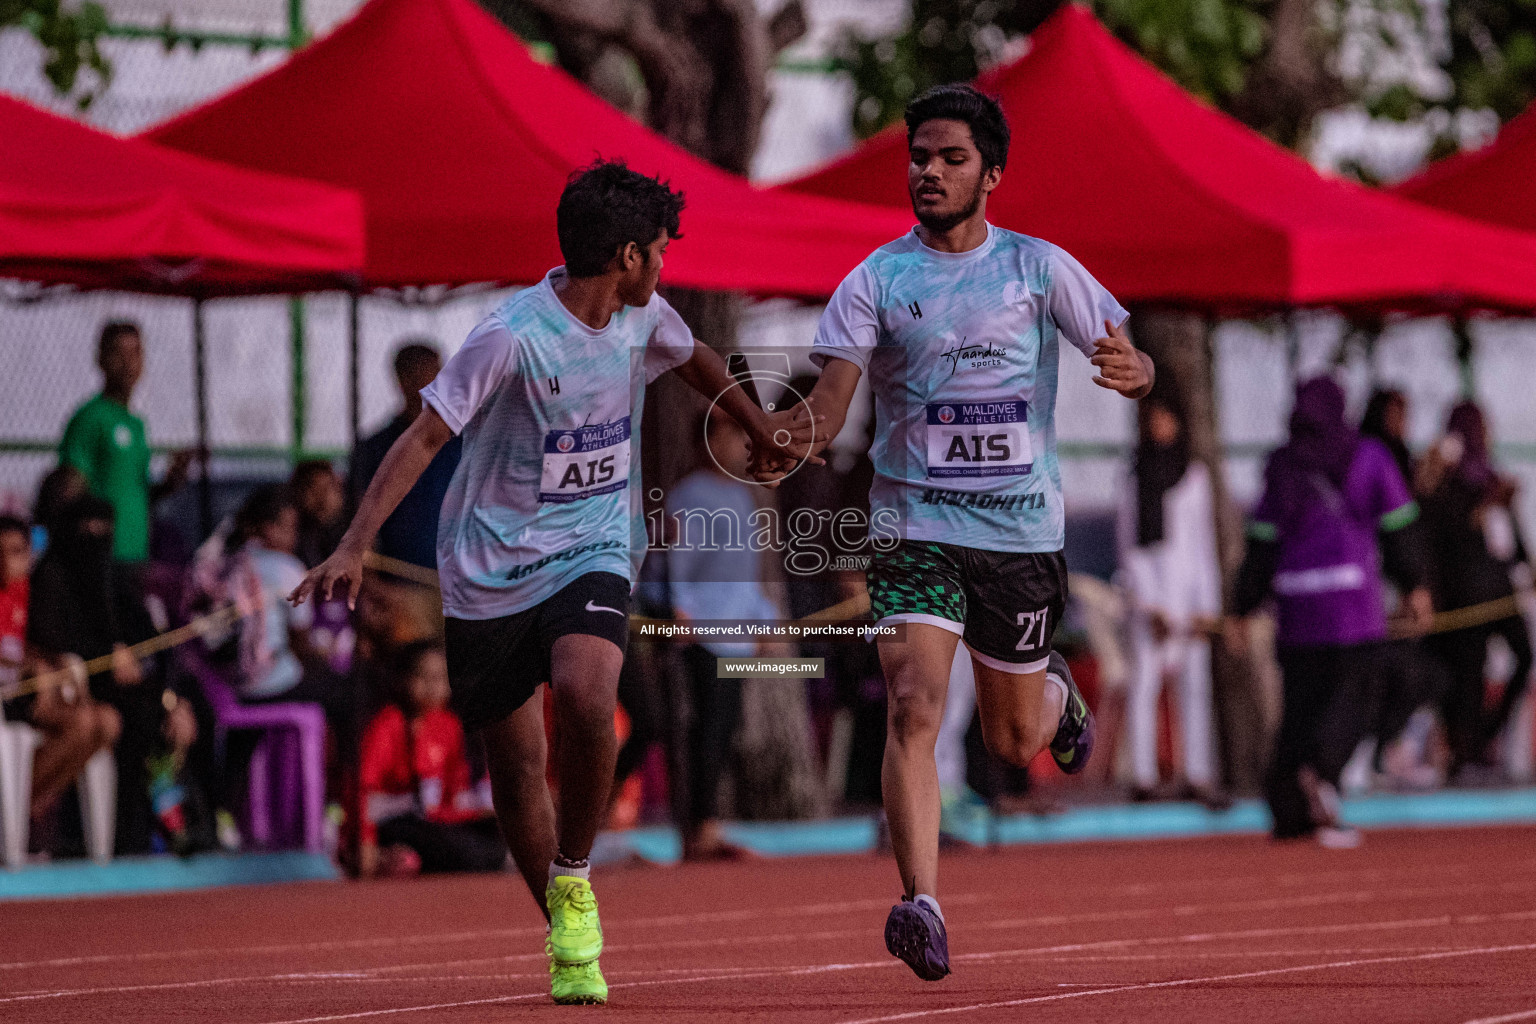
[
  {"x": 556, "y": 869},
  {"x": 929, "y": 902},
  {"x": 1061, "y": 684}
]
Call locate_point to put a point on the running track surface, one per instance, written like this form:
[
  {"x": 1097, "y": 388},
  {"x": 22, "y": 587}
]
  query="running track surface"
[{"x": 1415, "y": 926}]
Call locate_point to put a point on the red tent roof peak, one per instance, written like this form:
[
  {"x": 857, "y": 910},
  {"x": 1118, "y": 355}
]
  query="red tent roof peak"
[
  {"x": 1170, "y": 201},
  {"x": 1496, "y": 183},
  {"x": 80, "y": 206},
  {"x": 461, "y": 143}
]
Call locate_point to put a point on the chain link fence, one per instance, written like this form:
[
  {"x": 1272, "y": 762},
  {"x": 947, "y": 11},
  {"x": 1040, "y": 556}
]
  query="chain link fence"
[{"x": 265, "y": 410}]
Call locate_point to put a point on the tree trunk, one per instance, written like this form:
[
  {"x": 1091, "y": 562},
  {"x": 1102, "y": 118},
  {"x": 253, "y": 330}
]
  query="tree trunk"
[
  {"x": 705, "y": 69},
  {"x": 776, "y": 769},
  {"x": 1294, "y": 80},
  {"x": 1180, "y": 344},
  {"x": 671, "y": 443}
]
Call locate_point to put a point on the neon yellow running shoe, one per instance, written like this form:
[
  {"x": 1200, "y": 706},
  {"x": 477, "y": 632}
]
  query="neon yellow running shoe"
[
  {"x": 575, "y": 934},
  {"x": 577, "y": 983}
]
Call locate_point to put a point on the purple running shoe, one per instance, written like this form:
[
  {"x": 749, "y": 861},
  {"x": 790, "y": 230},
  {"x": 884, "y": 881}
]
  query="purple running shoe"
[
  {"x": 915, "y": 935},
  {"x": 1073, "y": 744}
]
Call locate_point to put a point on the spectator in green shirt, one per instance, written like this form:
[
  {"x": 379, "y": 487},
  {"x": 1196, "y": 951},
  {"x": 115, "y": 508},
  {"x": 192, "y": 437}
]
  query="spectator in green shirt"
[{"x": 106, "y": 442}]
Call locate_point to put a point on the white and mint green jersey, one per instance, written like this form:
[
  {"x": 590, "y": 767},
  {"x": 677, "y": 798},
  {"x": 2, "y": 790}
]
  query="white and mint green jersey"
[
  {"x": 548, "y": 486},
  {"x": 961, "y": 352}
]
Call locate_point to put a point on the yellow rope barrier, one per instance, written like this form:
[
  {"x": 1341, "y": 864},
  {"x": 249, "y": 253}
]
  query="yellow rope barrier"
[
  {"x": 193, "y": 630},
  {"x": 405, "y": 570},
  {"x": 849, "y": 608},
  {"x": 1461, "y": 618}
]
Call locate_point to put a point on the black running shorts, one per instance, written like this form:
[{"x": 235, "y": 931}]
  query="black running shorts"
[
  {"x": 1006, "y": 605},
  {"x": 495, "y": 665}
]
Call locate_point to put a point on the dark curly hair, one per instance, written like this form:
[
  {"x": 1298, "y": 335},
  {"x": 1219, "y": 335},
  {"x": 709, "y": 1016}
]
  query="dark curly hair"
[
  {"x": 988, "y": 124},
  {"x": 262, "y": 507},
  {"x": 604, "y": 207}
]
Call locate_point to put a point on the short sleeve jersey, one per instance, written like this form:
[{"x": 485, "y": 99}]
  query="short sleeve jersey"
[
  {"x": 106, "y": 442},
  {"x": 13, "y": 631},
  {"x": 961, "y": 351},
  {"x": 548, "y": 484}
]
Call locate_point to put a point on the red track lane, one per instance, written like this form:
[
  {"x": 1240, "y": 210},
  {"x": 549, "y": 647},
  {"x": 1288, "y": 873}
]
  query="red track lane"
[{"x": 1434, "y": 926}]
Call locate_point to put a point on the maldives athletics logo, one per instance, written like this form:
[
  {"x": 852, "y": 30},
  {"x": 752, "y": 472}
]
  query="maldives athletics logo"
[
  {"x": 565, "y": 442},
  {"x": 946, "y": 414}
]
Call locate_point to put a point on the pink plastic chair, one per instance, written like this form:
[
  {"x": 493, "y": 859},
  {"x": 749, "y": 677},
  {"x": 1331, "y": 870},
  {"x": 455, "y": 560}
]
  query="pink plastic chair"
[{"x": 287, "y": 767}]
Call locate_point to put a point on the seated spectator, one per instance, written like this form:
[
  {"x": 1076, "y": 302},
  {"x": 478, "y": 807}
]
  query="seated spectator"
[
  {"x": 283, "y": 664},
  {"x": 61, "y": 486},
  {"x": 82, "y": 606},
  {"x": 321, "y": 499},
  {"x": 419, "y": 811},
  {"x": 73, "y": 726}
]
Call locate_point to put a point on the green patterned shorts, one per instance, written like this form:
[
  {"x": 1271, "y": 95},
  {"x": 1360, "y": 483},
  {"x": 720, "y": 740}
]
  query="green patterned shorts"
[{"x": 1005, "y": 604}]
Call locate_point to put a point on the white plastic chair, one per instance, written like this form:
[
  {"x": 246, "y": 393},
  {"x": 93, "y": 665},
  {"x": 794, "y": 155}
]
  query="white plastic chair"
[{"x": 97, "y": 786}]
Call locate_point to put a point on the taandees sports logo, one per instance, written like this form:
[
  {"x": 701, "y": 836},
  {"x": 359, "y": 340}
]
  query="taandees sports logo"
[{"x": 973, "y": 357}]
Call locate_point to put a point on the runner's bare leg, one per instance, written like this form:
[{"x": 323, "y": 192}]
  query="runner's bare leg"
[
  {"x": 586, "y": 689},
  {"x": 1020, "y": 712},
  {"x": 917, "y": 679},
  {"x": 515, "y": 754}
]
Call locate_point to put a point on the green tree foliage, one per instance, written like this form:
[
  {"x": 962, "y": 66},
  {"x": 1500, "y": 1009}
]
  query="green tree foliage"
[
  {"x": 70, "y": 42},
  {"x": 1493, "y": 54},
  {"x": 1488, "y": 50},
  {"x": 1205, "y": 45},
  {"x": 1267, "y": 62}
]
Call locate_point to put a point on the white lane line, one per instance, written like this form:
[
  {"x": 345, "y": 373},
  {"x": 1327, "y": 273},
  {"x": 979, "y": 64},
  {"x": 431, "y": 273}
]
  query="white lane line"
[
  {"x": 1331, "y": 965},
  {"x": 712, "y": 917},
  {"x": 430, "y": 978},
  {"x": 1444, "y": 921},
  {"x": 1104, "y": 944},
  {"x": 1270, "y": 903},
  {"x": 1191, "y": 954},
  {"x": 1184, "y": 910},
  {"x": 1163, "y": 885},
  {"x": 1506, "y": 1018},
  {"x": 524, "y": 996},
  {"x": 878, "y": 964}
]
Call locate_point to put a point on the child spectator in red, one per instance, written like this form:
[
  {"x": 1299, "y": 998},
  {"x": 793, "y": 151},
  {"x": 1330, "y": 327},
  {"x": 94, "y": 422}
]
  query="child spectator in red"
[
  {"x": 73, "y": 726},
  {"x": 420, "y": 812}
]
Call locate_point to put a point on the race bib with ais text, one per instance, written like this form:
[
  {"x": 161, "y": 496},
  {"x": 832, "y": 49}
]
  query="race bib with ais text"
[
  {"x": 585, "y": 461},
  {"x": 978, "y": 439}
]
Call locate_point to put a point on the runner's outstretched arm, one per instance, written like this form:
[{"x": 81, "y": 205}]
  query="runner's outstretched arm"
[
  {"x": 407, "y": 459},
  {"x": 828, "y": 402},
  {"x": 787, "y": 434}
]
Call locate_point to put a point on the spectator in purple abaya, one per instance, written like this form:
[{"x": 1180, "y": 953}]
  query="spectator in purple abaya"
[
  {"x": 1469, "y": 509},
  {"x": 1334, "y": 513}
]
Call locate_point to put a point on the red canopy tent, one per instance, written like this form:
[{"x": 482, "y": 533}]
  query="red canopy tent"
[
  {"x": 461, "y": 142},
  {"x": 1496, "y": 183},
  {"x": 1170, "y": 202},
  {"x": 78, "y": 206}
]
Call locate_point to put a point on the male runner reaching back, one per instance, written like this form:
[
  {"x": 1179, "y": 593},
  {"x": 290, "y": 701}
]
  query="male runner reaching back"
[
  {"x": 534, "y": 543},
  {"x": 958, "y": 325}
]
